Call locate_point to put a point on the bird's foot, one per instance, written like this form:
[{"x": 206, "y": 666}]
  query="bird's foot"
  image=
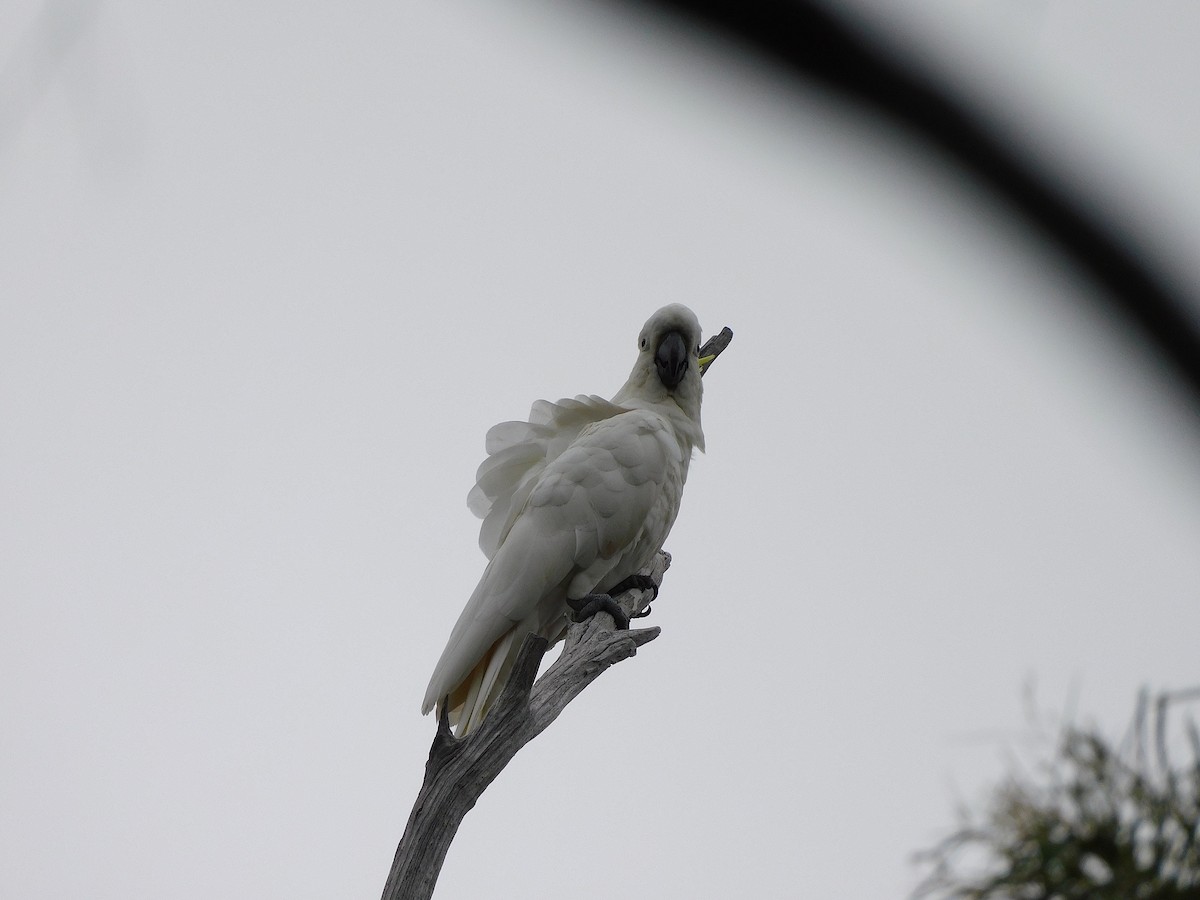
[
  {"x": 590, "y": 604},
  {"x": 641, "y": 583},
  {"x": 636, "y": 582}
]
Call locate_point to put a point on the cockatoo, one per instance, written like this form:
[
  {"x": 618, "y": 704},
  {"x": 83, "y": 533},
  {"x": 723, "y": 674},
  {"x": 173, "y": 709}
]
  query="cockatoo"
[{"x": 574, "y": 502}]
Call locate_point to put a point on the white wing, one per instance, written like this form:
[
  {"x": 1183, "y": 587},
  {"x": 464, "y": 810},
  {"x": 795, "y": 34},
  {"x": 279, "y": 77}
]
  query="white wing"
[
  {"x": 591, "y": 515},
  {"x": 518, "y": 453}
]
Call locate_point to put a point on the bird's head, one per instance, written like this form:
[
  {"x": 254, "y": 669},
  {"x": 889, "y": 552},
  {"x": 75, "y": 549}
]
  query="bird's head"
[
  {"x": 670, "y": 340},
  {"x": 668, "y": 366}
]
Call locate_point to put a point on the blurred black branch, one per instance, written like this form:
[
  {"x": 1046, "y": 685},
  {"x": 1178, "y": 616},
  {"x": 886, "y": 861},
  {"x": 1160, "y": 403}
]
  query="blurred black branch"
[
  {"x": 37, "y": 56},
  {"x": 806, "y": 40}
]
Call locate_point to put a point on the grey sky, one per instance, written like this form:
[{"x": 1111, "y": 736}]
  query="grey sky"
[{"x": 271, "y": 272}]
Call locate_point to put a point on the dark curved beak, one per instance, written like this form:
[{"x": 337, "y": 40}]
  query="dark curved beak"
[{"x": 671, "y": 358}]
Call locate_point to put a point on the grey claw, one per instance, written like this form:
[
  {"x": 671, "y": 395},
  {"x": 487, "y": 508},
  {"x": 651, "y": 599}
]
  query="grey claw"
[{"x": 590, "y": 604}]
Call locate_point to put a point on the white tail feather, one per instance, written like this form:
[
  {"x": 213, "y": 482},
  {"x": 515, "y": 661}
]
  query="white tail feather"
[{"x": 485, "y": 685}]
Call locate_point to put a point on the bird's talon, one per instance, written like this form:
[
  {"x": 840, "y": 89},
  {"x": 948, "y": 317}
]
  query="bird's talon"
[
  {"x": 641, "y": 615},
  {"x": 587, "y": 606},
  {"x": 637, "y": 582}
]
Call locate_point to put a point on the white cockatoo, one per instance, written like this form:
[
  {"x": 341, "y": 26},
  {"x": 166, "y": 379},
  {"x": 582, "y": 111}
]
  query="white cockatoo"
[{"x": 574, "y": 502}]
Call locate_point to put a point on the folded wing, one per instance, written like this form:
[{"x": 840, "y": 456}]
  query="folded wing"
[
  {"x": 584, "y": 499},
  {"x": 518, "y": 453}
]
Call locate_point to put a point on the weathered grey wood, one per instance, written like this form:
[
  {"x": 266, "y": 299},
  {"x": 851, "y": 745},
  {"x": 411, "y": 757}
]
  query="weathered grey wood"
[
  {"x": 458, "y": 771},
  {"x": 715, "y": 346}
]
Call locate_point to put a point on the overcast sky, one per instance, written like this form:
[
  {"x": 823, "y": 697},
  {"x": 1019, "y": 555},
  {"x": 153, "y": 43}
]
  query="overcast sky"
[{"x": 270, "y": 271}]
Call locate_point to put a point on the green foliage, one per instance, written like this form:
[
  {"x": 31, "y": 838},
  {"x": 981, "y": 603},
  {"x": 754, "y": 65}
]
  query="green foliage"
[{"x": 1097, "y": 821}]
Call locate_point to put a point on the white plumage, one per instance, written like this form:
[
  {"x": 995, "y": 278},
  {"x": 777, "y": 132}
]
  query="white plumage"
[{"x": 573, "y": 502}]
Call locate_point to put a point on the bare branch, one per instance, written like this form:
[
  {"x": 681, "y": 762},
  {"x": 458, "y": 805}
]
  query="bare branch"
[
  {"x": 715, "y": 346},
  {"x": 458, "y": 771}
]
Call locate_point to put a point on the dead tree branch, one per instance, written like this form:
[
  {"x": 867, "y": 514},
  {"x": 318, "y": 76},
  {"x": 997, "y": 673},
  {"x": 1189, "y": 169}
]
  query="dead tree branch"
[{"x": 458, "y": 771}]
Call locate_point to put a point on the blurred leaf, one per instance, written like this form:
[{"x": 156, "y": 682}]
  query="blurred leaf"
[{"x": 1096, "y": 821}]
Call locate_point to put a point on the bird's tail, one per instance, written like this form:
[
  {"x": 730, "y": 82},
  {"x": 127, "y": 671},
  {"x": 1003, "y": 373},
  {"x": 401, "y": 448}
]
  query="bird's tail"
[{"x": 470, "y": 701}]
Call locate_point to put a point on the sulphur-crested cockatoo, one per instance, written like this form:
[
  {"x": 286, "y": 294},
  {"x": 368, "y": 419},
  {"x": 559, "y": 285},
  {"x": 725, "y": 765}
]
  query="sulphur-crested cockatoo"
[{"x": 573, "y": 502}]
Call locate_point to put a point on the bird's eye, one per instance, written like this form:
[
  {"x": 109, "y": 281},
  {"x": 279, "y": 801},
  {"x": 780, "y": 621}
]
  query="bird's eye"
[{"x": 642, "y": 343}]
